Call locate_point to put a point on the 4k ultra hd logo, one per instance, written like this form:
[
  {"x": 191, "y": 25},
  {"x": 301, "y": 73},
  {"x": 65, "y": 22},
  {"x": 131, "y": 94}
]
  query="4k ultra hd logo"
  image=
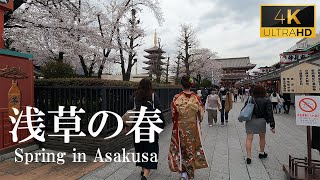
[{"x": 288, "y": 21}]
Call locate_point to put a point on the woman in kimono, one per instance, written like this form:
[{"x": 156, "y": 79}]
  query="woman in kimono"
[{"x": 185, "y": 152}]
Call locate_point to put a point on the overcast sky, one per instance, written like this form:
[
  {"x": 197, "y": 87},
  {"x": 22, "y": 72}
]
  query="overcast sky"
[{"x": 228, "y": 27}]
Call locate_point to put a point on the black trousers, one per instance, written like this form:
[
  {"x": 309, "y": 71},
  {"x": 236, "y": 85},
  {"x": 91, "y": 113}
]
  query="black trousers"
[
  {"x": 286, "y": 106},
  {"x": 224, "y": 115},
  {"x": 235, "y": 97},
  {"x": 274, "y": 106}
]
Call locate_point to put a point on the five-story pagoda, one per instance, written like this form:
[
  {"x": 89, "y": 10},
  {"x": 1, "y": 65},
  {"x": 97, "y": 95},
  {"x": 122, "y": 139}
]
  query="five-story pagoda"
[{"x": 155, "y": 60}]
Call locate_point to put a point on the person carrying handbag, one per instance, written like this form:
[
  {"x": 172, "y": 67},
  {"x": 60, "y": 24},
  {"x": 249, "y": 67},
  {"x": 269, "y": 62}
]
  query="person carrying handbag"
[{"x": 261, "y": 115}]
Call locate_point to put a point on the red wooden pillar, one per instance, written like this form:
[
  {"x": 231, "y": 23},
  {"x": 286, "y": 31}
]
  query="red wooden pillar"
[
  {"x": 1, "y": 27},
  {"x": 3, "y": 8}
]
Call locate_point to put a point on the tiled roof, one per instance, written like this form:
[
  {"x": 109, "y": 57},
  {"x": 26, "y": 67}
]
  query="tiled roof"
[{"x": 236, "y": 62}]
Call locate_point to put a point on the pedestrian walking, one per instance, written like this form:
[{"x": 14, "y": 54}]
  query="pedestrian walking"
[
  {"x": 275, "y": 99},
  {"x": 241, "y": 93},
  {"x": 145, "y": 96},
  {"x": 186, "y": 153},
  {"x": 281, "y": 104},
  {"x": 287, "y": 103},
  {"x": 235, "y": 94},
  {"x": 226, "y": 104},
  {"x": 213, "y": 104},
  {"x": 262, "y": 114},
  {"x": 199, "y": 93},
  {"x": 204, "y": 95},
  {"x": 246, "y": 92}
]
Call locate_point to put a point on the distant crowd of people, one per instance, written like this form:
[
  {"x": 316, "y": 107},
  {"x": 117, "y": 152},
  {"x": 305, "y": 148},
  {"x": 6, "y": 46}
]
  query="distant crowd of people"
[{"x": 186, "y": 153}]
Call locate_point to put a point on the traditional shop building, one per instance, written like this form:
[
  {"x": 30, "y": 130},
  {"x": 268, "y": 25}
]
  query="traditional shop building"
[
  {"x": 235, "y": 69},
  {"x": 272, "y": 80},
  {"x": 305, "y": 50}
]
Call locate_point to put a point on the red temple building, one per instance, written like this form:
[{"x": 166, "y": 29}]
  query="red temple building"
[{"x": 235, "y": 69}]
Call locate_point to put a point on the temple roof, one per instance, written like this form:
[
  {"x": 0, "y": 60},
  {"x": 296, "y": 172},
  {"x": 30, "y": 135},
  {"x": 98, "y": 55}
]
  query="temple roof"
[
  {"x": 154, "y": 50},
  {"x": 238, "y": 76},
  {"x": 238, "y": 62},
  {"x": 154, "y": 62},
  {"x": 265, "y": 67},
  {"x": 149, "y": 68},
  {"x": 154, "y": 56}
]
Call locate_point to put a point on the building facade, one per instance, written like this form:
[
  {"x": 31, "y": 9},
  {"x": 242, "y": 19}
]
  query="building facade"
[{"x": 235, "y": 69}]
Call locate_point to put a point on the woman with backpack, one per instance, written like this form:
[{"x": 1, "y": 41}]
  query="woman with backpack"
[
  {"x": 145, "y": 96},
  {"x": 226, "y": 102},
  {"x": 186, "y": 153},
  {"x": 262, "y": 114}
]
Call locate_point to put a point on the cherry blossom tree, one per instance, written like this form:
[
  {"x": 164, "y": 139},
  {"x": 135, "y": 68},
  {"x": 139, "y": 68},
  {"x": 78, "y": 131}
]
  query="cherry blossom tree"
[
  {"x": 48, "y": 28},
  {"x": 195, "y": 61},
  {"x": 130, "y": 35},
  {"x": 83, "y": 32},
  {"x": 206, "y": 66},
  {"x": 202, "y": 64}
]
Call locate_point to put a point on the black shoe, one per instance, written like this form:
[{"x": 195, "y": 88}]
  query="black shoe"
[
  {"x": 262, "y": 156},
  {"x": 142, "y": 173},
  {"x": 143, "y": 178},
  {"x": 248, "y": 161}
]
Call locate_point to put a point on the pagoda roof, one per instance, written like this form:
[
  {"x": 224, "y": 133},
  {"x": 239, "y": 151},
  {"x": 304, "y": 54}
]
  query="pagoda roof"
[
  {"x": 154, "y": 49},
  {"x": 156, "y": 62},
  {"x": 148, "y": 68},
  {"x": 154, "y": 56},
  {"x": 238, "y": 62}
]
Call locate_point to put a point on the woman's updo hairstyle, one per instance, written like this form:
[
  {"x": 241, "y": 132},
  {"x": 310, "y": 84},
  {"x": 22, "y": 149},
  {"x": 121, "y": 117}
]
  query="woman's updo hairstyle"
[{"x": 186, "y": 82}]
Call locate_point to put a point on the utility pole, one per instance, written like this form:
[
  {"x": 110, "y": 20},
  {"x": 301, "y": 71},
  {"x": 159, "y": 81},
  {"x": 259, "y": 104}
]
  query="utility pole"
[
  {"x": 167, "y": 71},
  {"x": 178, "y": 67}
]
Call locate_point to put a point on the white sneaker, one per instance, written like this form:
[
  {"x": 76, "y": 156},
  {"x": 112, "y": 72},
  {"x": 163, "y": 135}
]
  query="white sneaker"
[{"x": 222, "y": 125}]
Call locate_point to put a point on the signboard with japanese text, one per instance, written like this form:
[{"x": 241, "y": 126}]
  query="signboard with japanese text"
[
  {"x": 307, "y": 110},
  {"x": 303, "y": 78},
  {"x": 289, "y": 57}
]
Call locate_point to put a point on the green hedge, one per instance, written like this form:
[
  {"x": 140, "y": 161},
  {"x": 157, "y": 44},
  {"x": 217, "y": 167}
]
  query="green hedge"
[{"x": 91, "y": 82}]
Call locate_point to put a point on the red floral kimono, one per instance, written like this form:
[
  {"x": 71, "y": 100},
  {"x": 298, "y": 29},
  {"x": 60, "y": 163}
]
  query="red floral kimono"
[{"x": 186, "y": 153}]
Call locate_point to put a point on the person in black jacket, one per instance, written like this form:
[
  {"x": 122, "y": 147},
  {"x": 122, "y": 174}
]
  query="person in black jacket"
[
  {"x": 287, "y": 102},
  {"x": 144, "y": 96},
  {"x": 262, "y": 114}
]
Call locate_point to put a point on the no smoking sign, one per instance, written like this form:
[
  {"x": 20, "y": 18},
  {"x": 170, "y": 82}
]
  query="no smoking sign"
[
  {"x": 307, "y": 110},
  {"x": 308, "y": 105}
]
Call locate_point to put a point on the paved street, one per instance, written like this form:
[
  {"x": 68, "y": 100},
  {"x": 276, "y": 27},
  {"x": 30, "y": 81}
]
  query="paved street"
[
  {"x": 224, "y": 147},
  {"x": 225, "y": 151}
]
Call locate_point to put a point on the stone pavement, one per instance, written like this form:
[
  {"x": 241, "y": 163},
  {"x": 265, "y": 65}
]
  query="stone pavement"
[{"x": 225, "y": 152}]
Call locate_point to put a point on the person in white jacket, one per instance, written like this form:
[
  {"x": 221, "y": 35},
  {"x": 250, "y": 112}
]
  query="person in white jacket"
[
  {"x": 275, "y": 99},
  {"x": 213, "y": 104}
]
